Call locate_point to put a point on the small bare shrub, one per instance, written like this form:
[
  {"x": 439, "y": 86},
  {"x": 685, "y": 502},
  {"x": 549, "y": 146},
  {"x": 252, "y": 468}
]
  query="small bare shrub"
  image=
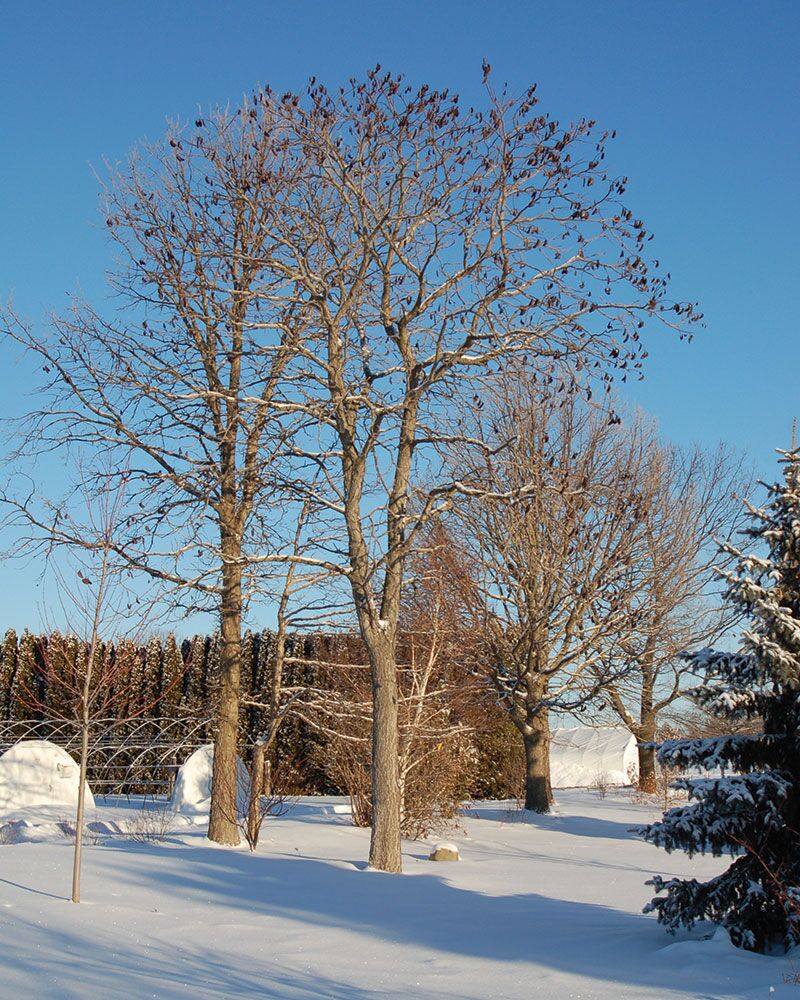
[
  {"x": 499, "y": 771},
  {"x": 346, "y": 763},
  {"x": 436, "y": 752},
  {"x": 664, "y": 790},
  {"x": 262, "y": 790},
  {"x": 435, "y": 771},
  {"x": 792, "y": 976},
  {"x": 663, "y": 793},
  {"x": 152, "y": 825},
  {"x": 67, "y": 829},
  {"x": 600, "y": 784},
  {"x": 434, "y": 792}
]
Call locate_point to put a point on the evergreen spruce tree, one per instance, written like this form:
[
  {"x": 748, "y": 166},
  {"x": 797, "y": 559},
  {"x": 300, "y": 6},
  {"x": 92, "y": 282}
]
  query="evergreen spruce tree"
[
  {"x": 153, "y": 675},
  {"x": 171, "y": 678},
  {"x": 250, "y": 715},
  {"x": 211, "y": 671},
  {"x": 185, "y": 703},
  {"x": 23, "y": 688},
  {"x": 753, "y": 810},
  {"x": 126, "y": 677},
  {"x": 59, "y": 677},
  {"x": 8, "y": 668},
  {"x": 195, "y": 702},
  {"x": 72, "y": 649},
  {"x": 151, "y": 688}
]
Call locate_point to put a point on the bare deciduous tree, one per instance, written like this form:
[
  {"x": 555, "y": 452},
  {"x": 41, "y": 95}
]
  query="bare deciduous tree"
[
  {"x": 435, "y": 245},
  {"x": 548, "y": 552},
  {"x": 81, "y": 679},
  {"x": 693, "y": 498},
  {"x": 303, "y": 600},
  {"x": 175, "y": 385}
]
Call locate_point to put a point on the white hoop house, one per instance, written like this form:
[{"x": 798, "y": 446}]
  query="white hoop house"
[
  {"x": 582, "y": 755},
  {"x": 37, "y": 773}
]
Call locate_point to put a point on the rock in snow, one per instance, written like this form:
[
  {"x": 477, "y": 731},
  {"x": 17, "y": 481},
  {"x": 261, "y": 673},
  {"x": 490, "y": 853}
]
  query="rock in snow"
[
  {"x": 444, "y": 851},
  {"x": 192, "y": 792},
  {"x": 35, "y": 773}
]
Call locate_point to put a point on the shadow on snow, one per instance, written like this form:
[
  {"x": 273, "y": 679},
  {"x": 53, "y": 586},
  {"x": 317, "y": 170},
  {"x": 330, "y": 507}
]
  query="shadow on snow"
[{"x": 419, "y": 911}]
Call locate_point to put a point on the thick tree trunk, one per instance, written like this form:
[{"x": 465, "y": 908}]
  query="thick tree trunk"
[
  {"x": 384, "y": 847},
  {"x": 647, "y": 756},
  {"x": 538, "y": 793},
  {"x": 223, "y": 827},
  {"x": 647, "y": 769},
  {"x": 646, "y": 731}
]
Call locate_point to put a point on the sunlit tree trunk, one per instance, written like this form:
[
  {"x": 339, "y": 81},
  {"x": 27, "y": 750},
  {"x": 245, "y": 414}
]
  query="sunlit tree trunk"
[{"x": 538, "y": 792}]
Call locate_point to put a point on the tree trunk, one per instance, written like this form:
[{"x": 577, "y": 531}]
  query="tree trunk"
[
  {"x": 647, "y": 756},
  {"x": 647, "y": 769},
  {"x": 266, "y": 778},
  {"x": 384, "y": 848},
  {"x": 257, "y": 789},
  {"x": 223, "y": 827},
  {"x": 538, "y": 793},
  {"x": 80, "y": 812}
]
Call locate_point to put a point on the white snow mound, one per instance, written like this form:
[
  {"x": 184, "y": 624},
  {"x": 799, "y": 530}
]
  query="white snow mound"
[
  {"x": 581, "y": 755},
  {"x": 36, "y": 773},
  {"x": 192, "y": 791}
]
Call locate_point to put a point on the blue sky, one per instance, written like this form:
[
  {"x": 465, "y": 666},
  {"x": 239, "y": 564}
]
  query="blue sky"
[{"x": 704, "y": 97}]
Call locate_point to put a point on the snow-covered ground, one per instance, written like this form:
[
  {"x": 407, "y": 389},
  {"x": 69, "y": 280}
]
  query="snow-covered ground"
[{"x": 547, "y": 908}]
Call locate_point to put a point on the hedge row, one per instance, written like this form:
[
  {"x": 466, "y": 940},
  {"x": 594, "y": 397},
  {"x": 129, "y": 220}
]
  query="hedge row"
[{"x": 167, "y": 680}]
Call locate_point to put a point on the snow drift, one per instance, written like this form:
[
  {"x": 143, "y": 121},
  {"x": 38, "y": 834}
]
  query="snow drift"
[
  {"x": 192, "y": 791},
  {"x": 36, "y": 773},
  {"x": 581, "y": 755}
]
